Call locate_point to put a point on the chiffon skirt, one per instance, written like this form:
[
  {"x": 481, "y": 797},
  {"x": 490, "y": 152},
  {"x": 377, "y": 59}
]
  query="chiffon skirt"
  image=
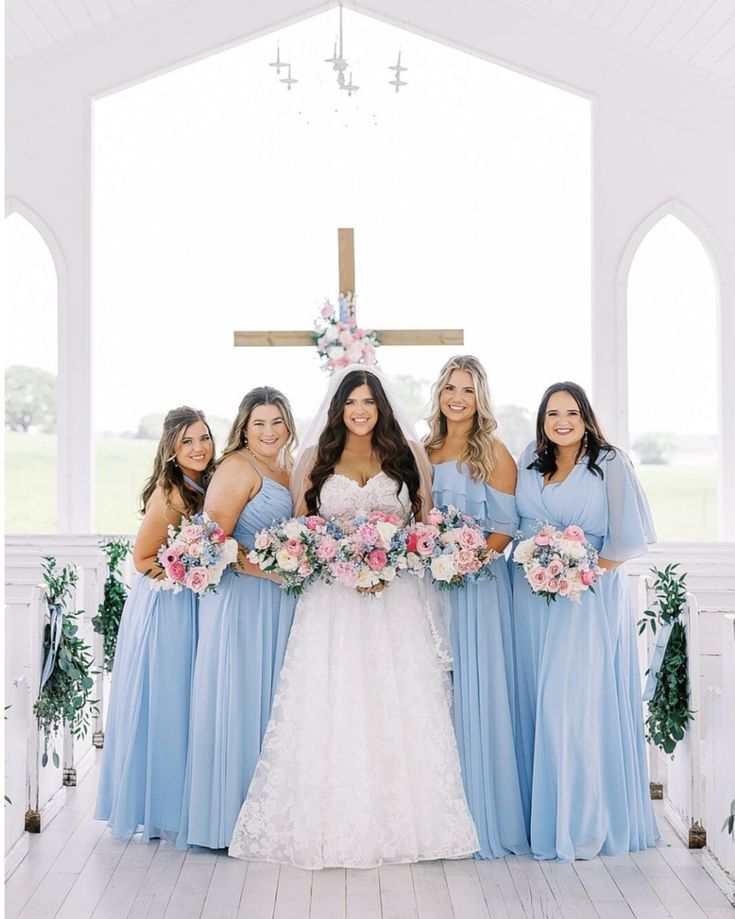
[
  {"x": 244, "y": 629},
  {"x": 143, "y": 767}
]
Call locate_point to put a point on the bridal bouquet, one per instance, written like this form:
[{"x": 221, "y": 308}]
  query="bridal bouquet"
[
  {"x": 451, "y": 547},
  {"x": 558, "y": 563},
  {"x": 195, "y": 555},
  {"x": 296, "y": 550},
  {"x": 367, "y": 551}
]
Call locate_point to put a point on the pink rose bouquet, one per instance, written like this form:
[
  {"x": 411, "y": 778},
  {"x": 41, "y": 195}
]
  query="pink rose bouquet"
[
  {"x": 450, "y": 547},
  {"x": 194, "y": 556},
  {"x": 370, "y": 550},
  {"x": 297, "y": 550},
  {"x": 558, "y": 563}
]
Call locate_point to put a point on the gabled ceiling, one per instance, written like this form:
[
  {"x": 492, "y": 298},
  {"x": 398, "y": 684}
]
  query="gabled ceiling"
[{"x": 695, "y": 35}]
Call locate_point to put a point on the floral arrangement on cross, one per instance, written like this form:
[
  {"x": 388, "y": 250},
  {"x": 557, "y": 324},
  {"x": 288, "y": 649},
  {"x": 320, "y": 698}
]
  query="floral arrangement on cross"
[{"x": 338, "y": 338}]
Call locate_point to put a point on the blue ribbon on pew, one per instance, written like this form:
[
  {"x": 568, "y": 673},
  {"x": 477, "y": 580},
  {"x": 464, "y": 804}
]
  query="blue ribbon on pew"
[
  {"x": 663, "y": 633},
  {"x": 56, "y": 625}
]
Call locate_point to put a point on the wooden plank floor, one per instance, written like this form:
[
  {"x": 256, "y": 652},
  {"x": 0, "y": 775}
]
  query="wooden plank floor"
[{"x": 76, "y": 870}]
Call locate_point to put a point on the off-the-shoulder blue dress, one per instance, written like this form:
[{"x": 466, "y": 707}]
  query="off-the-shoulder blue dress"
[{"x": 484, "y": 678}]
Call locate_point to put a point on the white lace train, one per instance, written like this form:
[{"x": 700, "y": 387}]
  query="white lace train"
[{"x": 359, "y": 764}]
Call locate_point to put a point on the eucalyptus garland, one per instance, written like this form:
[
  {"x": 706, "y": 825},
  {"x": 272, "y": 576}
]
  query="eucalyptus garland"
[
  {"x": 107, "y": 620},
  {"x": 668, "y": 710},
  {"x": 66, "y": 682}
]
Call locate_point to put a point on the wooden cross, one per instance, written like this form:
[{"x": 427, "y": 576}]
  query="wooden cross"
[{"x": 292, "y": 338}]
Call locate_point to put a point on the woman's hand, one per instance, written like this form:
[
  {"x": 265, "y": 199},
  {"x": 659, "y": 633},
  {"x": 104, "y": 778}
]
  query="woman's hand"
[
  {"x": 374, "y": 590},
  {"x": 608, "y": 564}
]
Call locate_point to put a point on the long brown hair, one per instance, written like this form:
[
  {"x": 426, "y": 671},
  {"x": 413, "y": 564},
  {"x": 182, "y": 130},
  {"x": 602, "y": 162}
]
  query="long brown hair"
[
  {"x": 480, "y": 449},
  {"x": 262, "y": 395},
  {"x": 396, "y": 458},
  {"x": 593, "y": 442},
  {"x": 166, "y": 473}
]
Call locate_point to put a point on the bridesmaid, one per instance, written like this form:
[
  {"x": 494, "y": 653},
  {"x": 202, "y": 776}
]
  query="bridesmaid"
[
  {"x": 243, "y": 627},
  {"x": 474, "y": 471},
  {"x": 142, "y": 779},
  {"x": 580, "y": 726}
]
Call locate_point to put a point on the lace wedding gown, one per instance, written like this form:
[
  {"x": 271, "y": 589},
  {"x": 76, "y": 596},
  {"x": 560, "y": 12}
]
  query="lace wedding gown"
[{"x": 359, "y": 765}]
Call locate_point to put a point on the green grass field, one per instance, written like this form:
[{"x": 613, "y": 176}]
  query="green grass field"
[{"x": 683, "y": 497}]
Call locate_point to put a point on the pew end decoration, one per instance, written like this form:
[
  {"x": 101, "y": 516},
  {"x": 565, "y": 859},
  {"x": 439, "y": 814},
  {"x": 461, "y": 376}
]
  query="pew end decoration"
[
  {"x": 667, "y": 686},
  {"x": 107, "y": 621},
  {"x": 66, "y": 678}
]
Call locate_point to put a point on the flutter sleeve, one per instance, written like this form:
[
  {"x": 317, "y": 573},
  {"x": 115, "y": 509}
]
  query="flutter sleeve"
[{"x": 630, "y": 528}]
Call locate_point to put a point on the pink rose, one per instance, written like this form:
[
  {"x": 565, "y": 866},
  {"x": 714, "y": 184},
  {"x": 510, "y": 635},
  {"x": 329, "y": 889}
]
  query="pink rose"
[
  {"x": 218, "y": 535},
  {"x": 262, "y": 540},
  {"x": 564, "y": 586},
  {"x": 175, "y": 571},
  {"x": 197, "y": 580},
  {"x": 368, "y": 354},
  {"x": 435, "y": 517},
  {"x": 368, "y": 534},
  {"x": 554, "y": 568},
  {"x": 305, "y": 570},
  {"x": 553, "y": 586},
  {"x": 327, "y": 548},
  {"x": 377, "y": 560},
  {"x": 470, "y": 538},
  {"x": 294, "y": 547},
  {"x": 190, "y": 533},
  {"x": 345, "y": 338},
  {"x": 588, "y": 577},
  {"x": 424, "y": 544},
  {"x": 344, "y": 573},
  {"x": 327, "y": 311},
  {"x": 573, "y": 532},
  {"x": 167, "y": 557},
  {"x": 542, "y": 538},
  {"x": 537, "y": 577},
  {"x": 465, "y": 560},
  {"x": 314, "y": 522}
]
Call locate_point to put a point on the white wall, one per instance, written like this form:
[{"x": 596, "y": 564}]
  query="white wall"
[{"x": 664, "y": 141}]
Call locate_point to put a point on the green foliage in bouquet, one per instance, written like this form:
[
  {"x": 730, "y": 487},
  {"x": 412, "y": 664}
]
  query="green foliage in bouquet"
[
  {"x": 668, "y": 710},
  {"x": 107, "y": 620},
  {"x": 65, "y": 696}
]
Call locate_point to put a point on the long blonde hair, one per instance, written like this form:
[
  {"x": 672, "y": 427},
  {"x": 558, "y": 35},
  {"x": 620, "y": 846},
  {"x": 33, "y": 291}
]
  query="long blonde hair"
[
  {"x": 262, "y": 395},
  {"x": 480, "y": 449},
  {"x": 166, "y": 472}
]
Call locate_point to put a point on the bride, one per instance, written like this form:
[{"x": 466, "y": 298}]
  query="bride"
[{"x": 359, "y": 765}]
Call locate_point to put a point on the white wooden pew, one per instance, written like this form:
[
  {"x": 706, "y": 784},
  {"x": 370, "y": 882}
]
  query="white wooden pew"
[{"x": 720, "y": 764}]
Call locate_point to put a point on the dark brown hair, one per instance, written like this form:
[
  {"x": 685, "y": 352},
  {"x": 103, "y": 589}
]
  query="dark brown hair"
[
  {"x": 396, "y": 458},
  {"x": 166, "y": 473},
  {"x": 593, "y": 442}
]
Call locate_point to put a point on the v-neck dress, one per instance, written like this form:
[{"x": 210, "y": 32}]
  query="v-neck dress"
[
  {"x": 141, "y": 783},
  {"x": 581, "y": 746},
  {"x": 244, "y": 629}
]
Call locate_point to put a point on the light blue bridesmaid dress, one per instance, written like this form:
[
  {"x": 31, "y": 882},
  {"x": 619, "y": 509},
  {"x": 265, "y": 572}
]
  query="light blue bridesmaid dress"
[
  {"x": 581, "y": 745},
  {"x": 243, "y": 630},
  {"x": 141, "y": 783},
  {"x": 484, "y": 680}
]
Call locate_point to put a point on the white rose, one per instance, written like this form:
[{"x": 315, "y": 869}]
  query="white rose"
[
  {"x": 366, "y": 578},
  {"x": 229, "y": 552},
  {"x": 524, "y": 551},
  {"x": 331, "y": 333},
  {"x": 286, "y": 561},
  {"x": 574, "y": 549},
  {"x": 443, "y": 567},
  {"x": 335, "y": 352},
  {"x": 386, "y": 531},
  {"x": 294, "y": 530},
  {"x": 450, "y": 537},
  {"x": 388, "y": 574},
  {"x": 354, "y": 352}
]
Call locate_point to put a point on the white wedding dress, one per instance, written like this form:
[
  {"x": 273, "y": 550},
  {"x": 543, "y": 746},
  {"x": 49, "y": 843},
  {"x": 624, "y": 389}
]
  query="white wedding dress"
[{"x": 359, "y": 765}]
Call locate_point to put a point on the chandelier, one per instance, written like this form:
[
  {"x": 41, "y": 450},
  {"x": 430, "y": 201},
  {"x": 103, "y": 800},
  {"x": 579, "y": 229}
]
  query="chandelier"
[{"x": 340, "y": 65}]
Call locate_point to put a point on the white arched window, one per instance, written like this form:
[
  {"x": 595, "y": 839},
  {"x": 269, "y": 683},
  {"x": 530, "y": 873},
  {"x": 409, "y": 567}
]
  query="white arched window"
[
  {"x": 672, "y": 380},
  {"x": 30, "y": 381}
]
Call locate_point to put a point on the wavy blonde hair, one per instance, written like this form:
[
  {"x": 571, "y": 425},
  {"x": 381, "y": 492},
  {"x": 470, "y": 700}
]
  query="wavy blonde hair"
[
  {"x": 480, "y": 450},
  {"x": 262, "y": 395}
]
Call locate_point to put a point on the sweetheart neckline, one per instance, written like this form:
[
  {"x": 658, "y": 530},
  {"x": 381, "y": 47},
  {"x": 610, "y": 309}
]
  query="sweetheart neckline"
[{"x": 341, "y": 475}]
